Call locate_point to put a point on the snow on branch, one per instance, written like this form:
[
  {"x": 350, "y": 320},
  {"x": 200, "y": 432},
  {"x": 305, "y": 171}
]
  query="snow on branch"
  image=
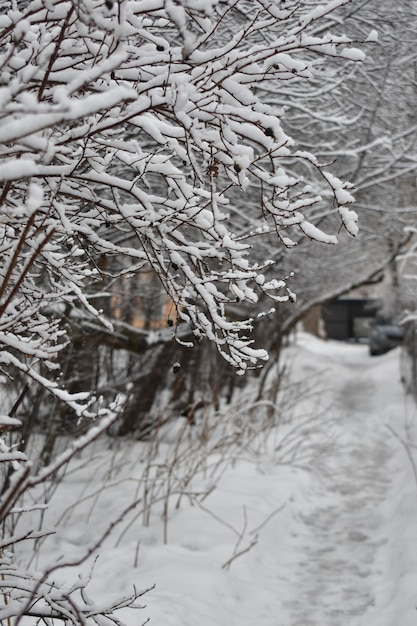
[
  {"x": 32, "y": 596},
  {"x": 36, "y": 594},
  {"x": 136, "y": 130}
]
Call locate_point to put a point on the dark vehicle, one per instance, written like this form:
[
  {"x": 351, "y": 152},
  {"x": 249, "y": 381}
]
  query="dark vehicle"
[{"x": 384, "y": 337}]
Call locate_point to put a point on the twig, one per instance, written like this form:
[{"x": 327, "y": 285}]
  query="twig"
[
  {"x": 236, "y": 551},
  {"x": 237, "y": 554},
  {"x": 266, "y": 520},
  {"x": 216, "y": 517}
]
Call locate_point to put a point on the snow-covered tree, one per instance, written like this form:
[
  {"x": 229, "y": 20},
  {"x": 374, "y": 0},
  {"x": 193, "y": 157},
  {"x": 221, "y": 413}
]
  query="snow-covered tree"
[
  {"x": 124, "y": 129},
  {"x": 366, "y": 127}
]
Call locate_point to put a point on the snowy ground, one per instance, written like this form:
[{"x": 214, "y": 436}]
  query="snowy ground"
[{"x": 313, "y": 525}]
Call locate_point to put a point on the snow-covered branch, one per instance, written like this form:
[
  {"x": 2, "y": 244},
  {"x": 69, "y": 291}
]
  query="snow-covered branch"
[{"x": 125, "y": 129}]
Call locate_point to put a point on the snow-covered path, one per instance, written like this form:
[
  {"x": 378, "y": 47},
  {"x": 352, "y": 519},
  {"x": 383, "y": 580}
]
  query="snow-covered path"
[
  {"x": 328, "y": 538},
  {"x": 353, "y": 570}
]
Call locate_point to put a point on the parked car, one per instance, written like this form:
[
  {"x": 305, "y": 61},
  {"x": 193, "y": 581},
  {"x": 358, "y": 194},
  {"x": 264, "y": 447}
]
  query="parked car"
[{"x": 384, "y": 337}]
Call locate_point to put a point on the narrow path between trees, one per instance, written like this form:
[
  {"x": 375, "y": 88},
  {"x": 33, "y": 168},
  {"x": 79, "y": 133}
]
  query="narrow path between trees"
[{"x": 356, "y": 567}]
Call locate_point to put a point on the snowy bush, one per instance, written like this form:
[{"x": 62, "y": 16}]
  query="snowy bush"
[{"x": 34, "y": 593}]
